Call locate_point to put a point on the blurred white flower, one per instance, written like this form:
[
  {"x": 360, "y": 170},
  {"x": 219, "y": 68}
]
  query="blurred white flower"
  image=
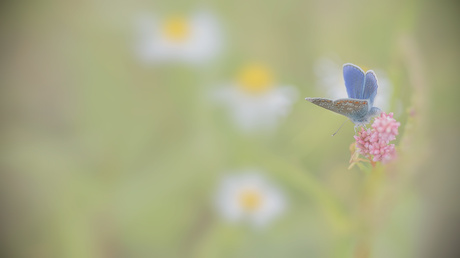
[
  {"x": 330, "y": 81},
  {"x": 249, "y": 197},
  {"x": 194, "y": 39},
  {"x": 254, "y": 101}
]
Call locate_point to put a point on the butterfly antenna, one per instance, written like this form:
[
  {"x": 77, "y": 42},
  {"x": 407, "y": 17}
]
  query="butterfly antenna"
[{"x": 339, "y": 128}]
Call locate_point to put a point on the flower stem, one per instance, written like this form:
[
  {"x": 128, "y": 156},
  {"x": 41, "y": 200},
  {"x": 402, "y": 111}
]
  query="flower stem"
[{"x": 373, "y": 163}]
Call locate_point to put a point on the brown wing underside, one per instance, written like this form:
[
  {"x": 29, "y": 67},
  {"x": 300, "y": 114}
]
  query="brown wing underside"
[{"x": 346, "y": 107}]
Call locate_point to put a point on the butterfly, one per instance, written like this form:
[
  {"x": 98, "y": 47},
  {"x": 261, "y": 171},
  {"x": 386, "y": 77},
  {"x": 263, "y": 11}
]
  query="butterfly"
[{"x": 361, "y": 89}]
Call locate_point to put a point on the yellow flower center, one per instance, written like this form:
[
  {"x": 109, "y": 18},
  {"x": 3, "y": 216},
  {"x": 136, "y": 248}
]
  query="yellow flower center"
[
  {"x": 250, "y": 200},
  {"x": 255, "y": 79},
  {"x": 176, "y": 29}
]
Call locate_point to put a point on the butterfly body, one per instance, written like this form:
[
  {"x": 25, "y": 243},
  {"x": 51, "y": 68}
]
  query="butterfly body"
[{"x": 361, "y": 90}]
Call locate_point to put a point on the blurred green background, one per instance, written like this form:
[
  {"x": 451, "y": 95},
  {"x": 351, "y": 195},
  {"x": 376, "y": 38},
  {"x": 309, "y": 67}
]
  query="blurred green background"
[{"x": 104, "y": 155}]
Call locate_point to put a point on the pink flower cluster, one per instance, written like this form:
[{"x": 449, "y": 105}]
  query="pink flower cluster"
[
  {"x": 386, "y": 127},
  {"x": 375, "y": 142}
]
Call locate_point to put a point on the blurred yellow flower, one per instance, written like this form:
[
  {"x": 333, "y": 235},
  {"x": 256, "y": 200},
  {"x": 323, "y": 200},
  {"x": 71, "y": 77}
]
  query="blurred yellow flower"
[
  {"x": 255, "y": 78},
  {"x": 249, "y": 197},
  {"x": 255, "y": 102},
  {"x": 188, "y": 39},
  {"x": 176, "y": 29},
  {"x": 250, "y": 200}
]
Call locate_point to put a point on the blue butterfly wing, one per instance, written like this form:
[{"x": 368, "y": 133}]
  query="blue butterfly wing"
[
  {"x": 370, "y": 87},
  {"x": 354, "y": 80}
]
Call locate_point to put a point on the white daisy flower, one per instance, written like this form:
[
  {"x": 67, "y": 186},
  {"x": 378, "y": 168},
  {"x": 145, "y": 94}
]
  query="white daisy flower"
[
  {"x": 330, "y": 81},
  {"x": 254, "y": 101},
  {"x": 249, "y": 197},
  {"x": 193, "y": 39}
]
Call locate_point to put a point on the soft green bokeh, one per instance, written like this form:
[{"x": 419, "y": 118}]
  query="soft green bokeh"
[{"x": 104, "y": 156}]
